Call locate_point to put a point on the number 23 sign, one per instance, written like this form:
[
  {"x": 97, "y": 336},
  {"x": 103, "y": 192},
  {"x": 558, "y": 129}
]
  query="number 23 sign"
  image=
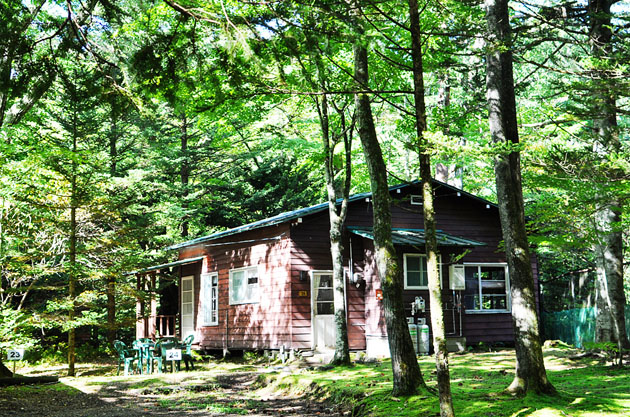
[{"x": 15, "y": 354}]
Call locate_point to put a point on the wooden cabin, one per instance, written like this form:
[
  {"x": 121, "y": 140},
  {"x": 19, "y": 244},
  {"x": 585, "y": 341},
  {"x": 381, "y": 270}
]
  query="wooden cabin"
[{"x": 267, "y": 284}]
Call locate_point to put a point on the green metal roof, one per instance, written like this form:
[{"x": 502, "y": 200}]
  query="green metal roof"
[
  {"x": 271, "y": 221},
  {"x": 167, "y": 265},
  {"x": 414, "y": 237},
  {"x": 291, "y": 215}
]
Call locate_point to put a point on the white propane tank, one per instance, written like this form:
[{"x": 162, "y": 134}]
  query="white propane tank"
[
  {"x": 424, "y": 342},
  {"x": 413, "y": 332}
]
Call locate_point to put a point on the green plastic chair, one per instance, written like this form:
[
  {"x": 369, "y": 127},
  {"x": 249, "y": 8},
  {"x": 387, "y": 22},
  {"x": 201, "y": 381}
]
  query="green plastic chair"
[
  {"x": 126, "y": 356},
  {"x": 136, "y": 344},
  {"x": 155, "y": 354},
  {"x": 187, "y": 351}
]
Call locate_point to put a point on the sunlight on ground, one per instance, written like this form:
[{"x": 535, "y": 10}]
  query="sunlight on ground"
[{"x": 587, "y": 387}]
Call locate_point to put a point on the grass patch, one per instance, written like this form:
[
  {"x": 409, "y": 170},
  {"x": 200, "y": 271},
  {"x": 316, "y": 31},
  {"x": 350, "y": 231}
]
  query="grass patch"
[
  {"x": 24, "y": 390},
  {"x": 205, "y": 402},
  {"x": 586, "y": 388}
]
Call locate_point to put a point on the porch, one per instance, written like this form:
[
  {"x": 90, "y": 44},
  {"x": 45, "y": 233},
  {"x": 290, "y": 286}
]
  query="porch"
[
  {"x": 158, "y": 300},
  {"x": 156, "y": 326}
]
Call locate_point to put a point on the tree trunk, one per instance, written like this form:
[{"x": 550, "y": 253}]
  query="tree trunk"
[
  {"x": 603, "y": 320},
  {"x": 530, "y": 367},
  {"x": 337, "y": 219},
  {"x": 430, "y": 232},
  {"x": 111, "y": 278},
  {"x": 72, "y": 284},
  {"x": 406, "y": 372},
  {"x": 4, "y": 371},
  {"x": 608, "y": 247},
  {"x": 111, "y": 309},
  {"x": 184, "y": 174}
]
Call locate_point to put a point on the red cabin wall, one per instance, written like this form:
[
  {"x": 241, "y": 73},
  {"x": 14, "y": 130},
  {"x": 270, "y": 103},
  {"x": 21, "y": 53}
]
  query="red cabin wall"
[
  {"x": 310, "y": 251},
  {"x": 262, "y": 325},
  {"x": 461, "y": 216}
]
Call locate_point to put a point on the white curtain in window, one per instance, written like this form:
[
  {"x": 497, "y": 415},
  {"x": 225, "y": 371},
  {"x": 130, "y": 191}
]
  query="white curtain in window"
[{"x": 316, "y": 279}]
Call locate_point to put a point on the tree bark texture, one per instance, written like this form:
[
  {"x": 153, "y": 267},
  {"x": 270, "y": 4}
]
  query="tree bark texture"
[
  {"x": 111, "y": 278},
  {"x": 611, "y": 298},
  {"x": 530, "y": 368},
  {"x": 603, "y": 320},
  {"x": 72, "y": 284},
  {"x": 4, "y": 371},
  {"x": 406, "y": 372},
  {"x": 184, "y": 174},
  {"x": 430, "y": 227},
  {"x": 337, "y": 219},
  {"x": 608, "y": 247}
]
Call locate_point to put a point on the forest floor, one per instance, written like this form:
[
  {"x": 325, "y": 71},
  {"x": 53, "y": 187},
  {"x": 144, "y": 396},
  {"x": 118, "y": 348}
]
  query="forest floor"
[
  {"x": 213, "y": 389},
  {"x": 588, "y": 387}
]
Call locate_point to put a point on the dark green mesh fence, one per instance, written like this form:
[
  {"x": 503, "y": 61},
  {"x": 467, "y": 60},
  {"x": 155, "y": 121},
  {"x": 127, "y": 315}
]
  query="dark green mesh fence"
[{"x": 576, "y": 326}]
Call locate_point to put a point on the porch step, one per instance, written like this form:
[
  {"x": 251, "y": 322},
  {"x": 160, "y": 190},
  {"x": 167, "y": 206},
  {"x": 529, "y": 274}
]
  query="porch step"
[{"x": 318, "y": 356}]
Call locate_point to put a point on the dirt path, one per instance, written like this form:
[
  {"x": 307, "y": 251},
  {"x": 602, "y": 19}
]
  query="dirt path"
[{"x": 229, "y": 394}]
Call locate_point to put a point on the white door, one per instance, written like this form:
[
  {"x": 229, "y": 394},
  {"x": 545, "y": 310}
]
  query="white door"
[
  {"x": 188, "y": 302},
  {"x": 323, "y": 310}
]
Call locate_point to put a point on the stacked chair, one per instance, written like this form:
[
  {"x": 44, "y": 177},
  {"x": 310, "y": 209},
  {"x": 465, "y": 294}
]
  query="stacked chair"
[{"x": 126, "y": 356}]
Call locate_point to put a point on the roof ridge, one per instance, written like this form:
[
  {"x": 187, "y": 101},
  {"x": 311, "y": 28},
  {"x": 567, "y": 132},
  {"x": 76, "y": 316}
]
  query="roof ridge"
[{"x": 290, "y": 215}]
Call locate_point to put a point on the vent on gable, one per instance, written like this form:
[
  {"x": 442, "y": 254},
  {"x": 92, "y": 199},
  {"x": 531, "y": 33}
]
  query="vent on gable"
[{"x": 416, "y": 200}]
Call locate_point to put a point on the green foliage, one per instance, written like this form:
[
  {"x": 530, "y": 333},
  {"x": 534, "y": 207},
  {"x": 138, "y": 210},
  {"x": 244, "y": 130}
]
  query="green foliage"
[
  {"x": 610, "y": 348},
  {"x": 16, "y": 329},
  {"x": 231, "y": 95}
]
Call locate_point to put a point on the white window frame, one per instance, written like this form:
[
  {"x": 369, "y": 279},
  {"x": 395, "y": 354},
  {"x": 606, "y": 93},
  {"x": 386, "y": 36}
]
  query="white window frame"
[
  {"x": 312, "y": 274},
  {"x": 416, "y": 200},
  {"x": 508, "y": 300},
  {"x": 208, "y": 298},
  {"x": 256, "y": 296},
  {"x": 190, "y": 278},
  {"x": 420, "y": 287}
]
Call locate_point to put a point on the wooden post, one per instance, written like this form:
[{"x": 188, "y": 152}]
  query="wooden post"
[
  {"x": 225, "y": 340},
  {"x": 140, "y": 328}
]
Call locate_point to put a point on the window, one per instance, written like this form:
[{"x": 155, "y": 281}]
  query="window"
[
  {"x": 244, "y": 285},
  {"x": 323, "y": 294},
  {"x": 486, "y": 288},
  {"x": 415, "y": 271},
  {"x": 416, "y": 200},
  {"x": 210, "y": 299}
]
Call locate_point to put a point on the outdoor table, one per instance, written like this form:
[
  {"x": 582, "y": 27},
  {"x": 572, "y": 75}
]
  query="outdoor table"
[
  {"x": 167, "y": 345},
  {"x": 145, "y": 347}
]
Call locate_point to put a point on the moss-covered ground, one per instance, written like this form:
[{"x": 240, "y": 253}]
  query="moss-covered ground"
[{"x": 586, "y": 387}]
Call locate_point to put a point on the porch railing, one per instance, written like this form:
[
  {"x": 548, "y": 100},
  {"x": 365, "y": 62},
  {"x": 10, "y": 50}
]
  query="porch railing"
[{"x": 163, "y": 325}]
